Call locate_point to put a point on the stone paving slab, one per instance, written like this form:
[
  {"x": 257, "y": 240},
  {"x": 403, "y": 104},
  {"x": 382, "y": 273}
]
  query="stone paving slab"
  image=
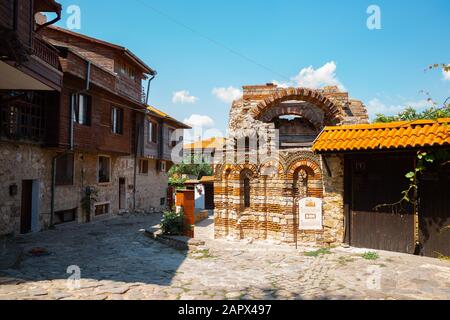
[{"x": 117, "y": 261}]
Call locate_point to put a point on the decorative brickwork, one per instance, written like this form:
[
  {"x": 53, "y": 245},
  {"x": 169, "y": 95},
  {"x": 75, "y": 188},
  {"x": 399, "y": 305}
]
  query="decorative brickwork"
[{"x": 278, "y": 179}]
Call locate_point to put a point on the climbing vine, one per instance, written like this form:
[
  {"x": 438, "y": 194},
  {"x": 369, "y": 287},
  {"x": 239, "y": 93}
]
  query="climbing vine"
[{"x": 90, "y": 195}]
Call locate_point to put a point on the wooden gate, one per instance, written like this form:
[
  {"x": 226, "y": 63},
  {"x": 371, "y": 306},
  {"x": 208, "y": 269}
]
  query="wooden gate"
[
  {"x": 377, "y": 180},
  {"x": 434, "y": 214}
]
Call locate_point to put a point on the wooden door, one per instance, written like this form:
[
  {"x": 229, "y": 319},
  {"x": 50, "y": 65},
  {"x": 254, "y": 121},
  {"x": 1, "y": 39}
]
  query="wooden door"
[
  {"x": 122, "y": 194},
  {"x": 434, "y": 214},
  {"x": 26, "y": 206},
  {"x": 377, "y": 180}
]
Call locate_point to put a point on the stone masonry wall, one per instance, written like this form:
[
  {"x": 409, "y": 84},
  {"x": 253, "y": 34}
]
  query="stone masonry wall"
[{"x": 27, "y": 162}]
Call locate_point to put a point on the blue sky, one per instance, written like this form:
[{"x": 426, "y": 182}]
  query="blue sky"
[{"x": 197, "y": 46}]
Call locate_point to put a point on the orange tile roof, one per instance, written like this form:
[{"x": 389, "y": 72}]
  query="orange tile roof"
[
  {"x": 164, "y": 115},
  {"x": 211, "y": 143},
  {"x": 207, "y": 179},
  {"x": 384, "y": 136}
]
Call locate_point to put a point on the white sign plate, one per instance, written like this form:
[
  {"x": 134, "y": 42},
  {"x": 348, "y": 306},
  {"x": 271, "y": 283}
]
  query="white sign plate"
[{"x": 310, "y": 212}]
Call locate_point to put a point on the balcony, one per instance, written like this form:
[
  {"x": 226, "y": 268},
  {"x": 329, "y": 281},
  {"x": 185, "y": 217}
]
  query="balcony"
[
  {"x": 45, "y": 52},
  {"x": 24, "y": 115}
]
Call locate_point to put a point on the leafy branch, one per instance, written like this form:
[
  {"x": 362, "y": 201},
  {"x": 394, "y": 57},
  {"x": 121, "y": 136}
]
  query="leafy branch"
[{"x": 90, "y": 195}]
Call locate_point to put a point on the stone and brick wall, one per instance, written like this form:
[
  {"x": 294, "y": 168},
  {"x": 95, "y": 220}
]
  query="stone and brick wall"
[
  {"x": 280, "y": 178},
  {"x": 29, "y": 162}
]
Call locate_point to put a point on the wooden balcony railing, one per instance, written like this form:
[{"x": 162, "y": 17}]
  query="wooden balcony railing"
[{"x": 45, "y": 52}]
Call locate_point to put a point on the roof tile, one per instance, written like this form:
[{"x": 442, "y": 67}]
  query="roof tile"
[{"x": 384, "y": 136}]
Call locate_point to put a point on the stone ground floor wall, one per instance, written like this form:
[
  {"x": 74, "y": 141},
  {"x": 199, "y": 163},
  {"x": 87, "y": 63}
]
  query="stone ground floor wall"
[
  {"x": 151, "y": 191},
  {"x": 27, "y": 162},
  {"x": 274, "y": 194}
]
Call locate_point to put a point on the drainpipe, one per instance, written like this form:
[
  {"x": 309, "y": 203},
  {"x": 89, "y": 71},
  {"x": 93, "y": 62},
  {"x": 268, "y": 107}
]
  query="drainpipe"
[
  {"x": 148, "y": 88},
  {"x": 73, "y": 102},
  {"x": 138, "y": 140},
  {"x": 137, "y": 145}
]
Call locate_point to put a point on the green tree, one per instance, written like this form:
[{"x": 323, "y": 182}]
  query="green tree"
[
  {"x": 194, "y": 166},
  {"x": 411, "y": 114}
]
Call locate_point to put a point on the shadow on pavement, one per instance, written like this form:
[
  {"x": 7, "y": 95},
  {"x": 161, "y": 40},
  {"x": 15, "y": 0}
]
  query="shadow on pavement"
[{"x": 115, "y": 250}]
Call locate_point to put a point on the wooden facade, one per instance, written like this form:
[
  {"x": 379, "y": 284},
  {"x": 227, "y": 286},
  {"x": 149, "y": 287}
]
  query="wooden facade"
[
  {"x": 23, "y": 48},
  {"x": 92, "y": 69},
  {"x": 72, "y": 117},
  {"x": 29, "y": 94}
]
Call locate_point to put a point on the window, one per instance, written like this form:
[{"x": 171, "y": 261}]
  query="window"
[
  {"x": 143, "y": 167},
  {"x": 117, "y": 120},
  {"x": 127, "y": 70},
  {"x": 64, "y": 170},
  {"x": 161, "y": 166},
  {"x": 172, "y": 138},
  {"x": 152, "y": 132},
  {"x": 104, "y": 169},
  {"x": 245, "y": 188},
  {"x": 23, "y": 114},
  {"x": 65, "y": 216},
  {"x": 246, "y": 192},
  {"x": 162, "y": 202},
  {"x": 102, "y": 209},
  {"x": 82, "y": 109}
]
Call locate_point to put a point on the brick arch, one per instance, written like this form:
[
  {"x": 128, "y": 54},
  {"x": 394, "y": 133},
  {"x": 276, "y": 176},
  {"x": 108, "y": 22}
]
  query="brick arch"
[
  {"x": 237, "y": 169},
  {"x": 315, "y": 182},
  {"x": 333, "y": 113},
  {"x": 270, "y": 165},
  {"x": 311, "y": 167},
  {"x": 309, "y": 112},
  {"x": 222, "y": 171}
]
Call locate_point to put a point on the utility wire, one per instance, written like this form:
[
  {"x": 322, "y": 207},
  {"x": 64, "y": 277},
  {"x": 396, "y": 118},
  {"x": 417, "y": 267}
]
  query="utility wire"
[{"x": 211, "y": 40}]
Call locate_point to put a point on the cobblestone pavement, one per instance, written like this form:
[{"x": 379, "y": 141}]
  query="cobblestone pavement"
[{"x": 117, "y": 261}]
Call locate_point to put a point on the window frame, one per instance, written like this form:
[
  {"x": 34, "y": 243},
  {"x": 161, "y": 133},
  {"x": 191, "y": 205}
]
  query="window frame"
[
  {"x": 117, "y": 128},
  {"x": 141, "y": 167},
  {"x": 152, "y": 134},
  {"x": 87, "y": 107},
  {"x": 172, "y": 142},
  {"x": 103, "y": 205},
  {"x": 109, "y": 169},
  {"x": 63, "y": 181}
]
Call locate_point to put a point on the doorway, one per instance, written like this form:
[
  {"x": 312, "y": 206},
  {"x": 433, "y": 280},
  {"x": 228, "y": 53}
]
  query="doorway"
[
  {"x": 29, "y": 211},
  {"x": 122, "y": 194}
]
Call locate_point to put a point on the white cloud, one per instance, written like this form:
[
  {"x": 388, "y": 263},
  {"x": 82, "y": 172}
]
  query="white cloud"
[
  {"x": 419, "y": 105},
  {"x": 199, "y": 121},
  {"x": 227, "y": 94},
  {"x": 315, "y": 78},
  {"x": 183, "y": 97},
  {"x": 375, "y": 106}
]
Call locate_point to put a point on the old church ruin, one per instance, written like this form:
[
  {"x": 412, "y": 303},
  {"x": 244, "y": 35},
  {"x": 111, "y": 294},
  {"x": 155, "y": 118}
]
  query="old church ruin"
[{"x": 267, "y": 166}]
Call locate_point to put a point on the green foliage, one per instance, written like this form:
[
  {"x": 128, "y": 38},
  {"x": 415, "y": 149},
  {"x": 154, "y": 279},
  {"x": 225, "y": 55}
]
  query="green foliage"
[
  {"x": 172, "y": 223},
  {"x": 317, "y": 253},
  {"x": 425, "y": 159},
  {"x": 411, "y": 114},
  {"x": 176, "y": 182},
  {"x": 191, "y": 166},
  {"x": 89, "y": 197},
  {"x": 371, "y": 255}
]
